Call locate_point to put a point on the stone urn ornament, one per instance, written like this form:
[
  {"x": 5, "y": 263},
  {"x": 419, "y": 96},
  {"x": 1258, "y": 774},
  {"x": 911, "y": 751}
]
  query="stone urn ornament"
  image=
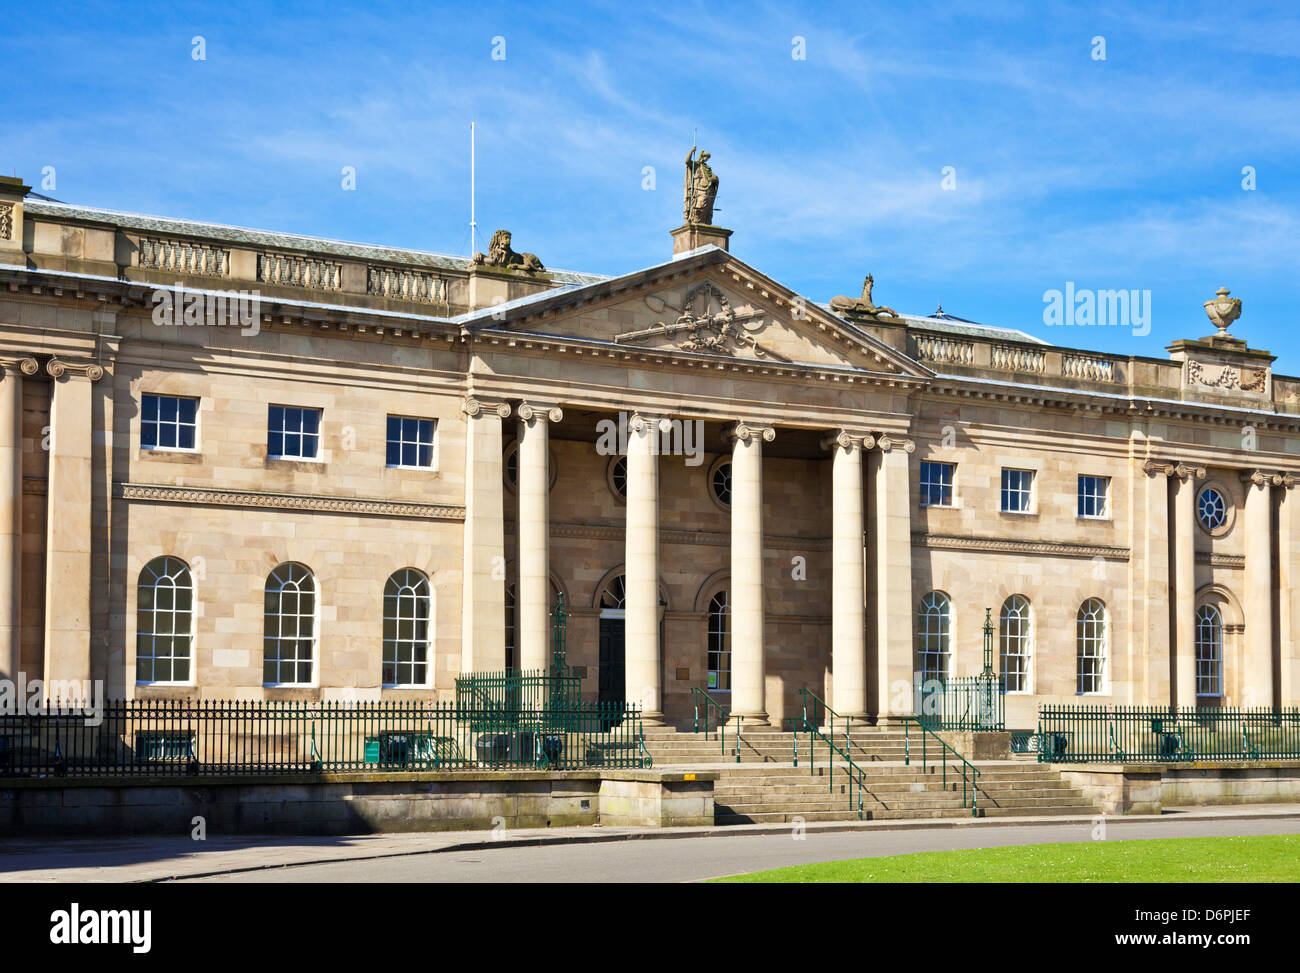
[{"x": 1223, "y": 310}]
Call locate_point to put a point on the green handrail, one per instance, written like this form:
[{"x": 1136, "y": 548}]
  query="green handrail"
[
  {"x": 804, "y": 695},
  {"x": 966, "y": 764},
  {"x": 856, "y": 773},
  {"x": 701, "y": 696}
]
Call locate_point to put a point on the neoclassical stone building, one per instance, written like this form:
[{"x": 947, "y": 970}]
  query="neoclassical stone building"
[{"x": 378, "y": 471}]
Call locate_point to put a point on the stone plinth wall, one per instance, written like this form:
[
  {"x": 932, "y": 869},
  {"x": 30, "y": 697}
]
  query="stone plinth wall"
[
  {"x": 1148, "y": 789},
  {"x": 357, "y": 803}
]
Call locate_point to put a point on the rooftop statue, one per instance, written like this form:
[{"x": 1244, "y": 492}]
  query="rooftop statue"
[
  {"x": 1223, "y": 310},
  {"x": 701, "y": 190},
  {"x": 863, "y": 305},
  {"x": 500, "y": 255}
]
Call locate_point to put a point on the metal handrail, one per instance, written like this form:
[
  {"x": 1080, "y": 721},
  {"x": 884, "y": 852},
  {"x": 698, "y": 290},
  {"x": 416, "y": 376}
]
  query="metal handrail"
[
  {"x": 855, "y": 772},
  {"x": 699, "y": 695},
  {"x": 966, "y": 764},
  {"x": 804, "y": 695}
]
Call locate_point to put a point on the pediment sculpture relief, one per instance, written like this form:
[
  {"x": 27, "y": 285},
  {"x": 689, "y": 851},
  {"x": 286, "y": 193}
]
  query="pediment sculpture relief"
[
  {"x": 707, "y": 322},
  {"x": 864, "y": 304},
  {"x": 1227, "y": 377}
]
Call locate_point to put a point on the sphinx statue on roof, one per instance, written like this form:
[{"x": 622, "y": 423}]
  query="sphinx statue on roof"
[{"x": 863, "y": 306}]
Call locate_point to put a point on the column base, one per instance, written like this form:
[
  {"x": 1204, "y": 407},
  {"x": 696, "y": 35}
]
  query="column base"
[
  {"x": 893, "y": 719},
  {"x": 747, "y": 721},
  {"x": 652, "y": 719}
]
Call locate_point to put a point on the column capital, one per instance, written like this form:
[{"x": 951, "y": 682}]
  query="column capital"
[
  {"x": 888, "y": 442},
  {"x": 1187, "y": 471},
  {"x": 640, "y": 423},
  {"x": 474, "y": 405},
  {"x": 746, "y": 431},
  {"x": 56, "y": 368},
  {"x": 848, "y": 440},
  {"x": 24, "y": 366},
  {"x": 530, "y": 411},
  {"x": 1155, "y": 467},
  {"x": 1268, "y": 478}
]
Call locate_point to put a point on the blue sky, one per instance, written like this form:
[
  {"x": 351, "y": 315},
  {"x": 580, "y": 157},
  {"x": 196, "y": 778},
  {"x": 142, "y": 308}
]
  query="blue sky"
[{"x": 1116, "y": 173}]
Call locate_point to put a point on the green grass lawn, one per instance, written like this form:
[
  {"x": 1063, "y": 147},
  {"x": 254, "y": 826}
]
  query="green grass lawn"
[{"x": 1266, "y": 858}]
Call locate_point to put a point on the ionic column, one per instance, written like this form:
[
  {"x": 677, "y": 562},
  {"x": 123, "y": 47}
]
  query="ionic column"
[
  {"x": 483, "y": 635},
  {"x": 1184, "y": 571},
  {"x": 848, "y": 574},
  {"x": 1288, "y": 556},
  {"x": 642, "y": 682},
  {"x": 534, "y": 533},
  {"x": 1257, "y": 668},
  {"x": 11, "y": 510},
  {"x": 1151, "y": 604},
  {"x": 894, "y": 608},
  {"x": 68, "y": 532},
  {"x": 748, "y": 672}
]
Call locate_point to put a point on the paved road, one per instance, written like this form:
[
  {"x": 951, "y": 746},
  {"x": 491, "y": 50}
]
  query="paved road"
[{"x": 691, "y": 859}]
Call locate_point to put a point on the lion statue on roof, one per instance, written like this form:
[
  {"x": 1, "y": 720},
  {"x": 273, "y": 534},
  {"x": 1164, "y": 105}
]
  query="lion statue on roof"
[{"x": 501, "y": 255}]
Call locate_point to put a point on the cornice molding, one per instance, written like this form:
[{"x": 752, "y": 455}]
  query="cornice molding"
[
  {"x": 710, "y": 538},
  {"x": 1220, "y": 560},
  {"x": 997, "y": 545},
  {"x": 202, "y": 496}
]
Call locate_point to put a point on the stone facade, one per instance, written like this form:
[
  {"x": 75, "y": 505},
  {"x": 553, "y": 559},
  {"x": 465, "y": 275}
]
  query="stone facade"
[{"x": 815, "y": 422}]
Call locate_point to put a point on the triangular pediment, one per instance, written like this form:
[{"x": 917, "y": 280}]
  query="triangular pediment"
[{"x": 709, "y": 304}]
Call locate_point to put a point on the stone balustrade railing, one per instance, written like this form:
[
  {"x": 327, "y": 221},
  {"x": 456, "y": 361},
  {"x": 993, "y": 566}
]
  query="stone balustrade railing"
[
  {"x": 288, "y": 270},
  {"x": 1089, "y": 367},
  {"x": 406, "y": 285},
  {"x": 183, "y": 257},
  {"x": 1014, "y": 358},
  {"x": 948, "y": 351}
]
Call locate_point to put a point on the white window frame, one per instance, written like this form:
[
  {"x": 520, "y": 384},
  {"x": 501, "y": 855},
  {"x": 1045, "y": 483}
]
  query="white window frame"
[
  {"x": 1017, "y": 607},
  {"x": 932, "y": 642},
  {"x": 1103, "y": 496},
  {"x": 158, "y": 423},
  {"x": 951, "y": 485},
  {"x": 1209, "y": 619},
  {"x": 406, "y": 580},
  {"x": 402, "y": 441},
  {"x": 318, "y": 436},
  {"x": 1027, "y": 490},
  {"x": 1092, "y": 642},
  {"x": 181, "y": 571},
  {"x": 719, "y": 611},
  {"x": 313, "y": 617}
]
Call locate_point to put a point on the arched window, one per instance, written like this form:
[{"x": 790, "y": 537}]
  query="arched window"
[
  {"x": 1090, "y": 646},
  {"x": 510, "y": 627},
  {"x": 1015, "y": 638},
  {"x": 934, "y": 637},
  {"x": 406, "y": 629},
  {"x": 1209, "y": 652},
  {"x": 614, "y": 597},
  {"x": 720, "y": 643},
  {"x": 164, "y": 621},
  {"x": 289, "y": 632}
]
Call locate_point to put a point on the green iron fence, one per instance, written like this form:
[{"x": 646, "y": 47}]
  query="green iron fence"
[
  {"x": 214, "y": 737},
  {"x": 960, "y": 703},
  {"x": 1124, "y": 734}
]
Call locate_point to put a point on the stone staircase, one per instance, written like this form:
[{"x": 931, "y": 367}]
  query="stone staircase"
[{"x": 766, "y": 786}]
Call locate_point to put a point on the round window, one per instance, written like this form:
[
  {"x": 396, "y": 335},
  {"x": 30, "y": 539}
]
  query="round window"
[
  {"x": 618, "y": 476},
  {"x": 720, "y": 483},
  {"x": 1212, "y": 509}
]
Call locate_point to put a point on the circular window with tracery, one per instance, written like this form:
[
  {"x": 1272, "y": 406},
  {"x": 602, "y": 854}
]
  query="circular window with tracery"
[
  {"x": 720, "y": 482},
  {"x": 616, "y": 474},
  {"x": 1212, "y": 509}
]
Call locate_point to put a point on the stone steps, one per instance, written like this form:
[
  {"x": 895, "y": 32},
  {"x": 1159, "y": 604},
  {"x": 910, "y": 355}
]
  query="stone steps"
[{"x": 767, "y": 786}]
